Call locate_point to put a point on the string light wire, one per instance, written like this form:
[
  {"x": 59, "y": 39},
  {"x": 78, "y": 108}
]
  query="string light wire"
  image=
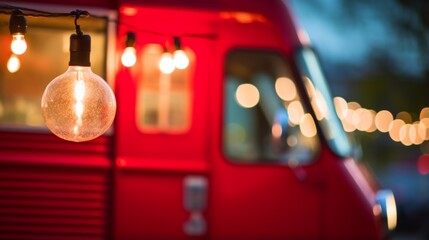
[{"x": 30, "y": 12}]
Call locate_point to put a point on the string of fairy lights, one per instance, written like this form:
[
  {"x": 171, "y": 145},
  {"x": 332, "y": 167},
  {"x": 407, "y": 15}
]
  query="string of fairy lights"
[
  {"x": 401, "y": 128},
  {"x": 353, "y": 117},
  {"x": 171, "y": 59},
  {"x": 90, "y": 107},
  {"x": 77, "y": 105}
]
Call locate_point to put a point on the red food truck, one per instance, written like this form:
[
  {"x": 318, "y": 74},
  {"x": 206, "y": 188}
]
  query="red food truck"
[{"x": 242, "y": 143}]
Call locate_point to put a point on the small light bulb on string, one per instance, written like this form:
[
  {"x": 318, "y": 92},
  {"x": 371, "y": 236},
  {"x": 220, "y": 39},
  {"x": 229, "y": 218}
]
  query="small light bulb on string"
[
  {"x": 181, "y": 60},
  {"x": 129, "y": 58},
  {"x": 166, "y": 64},
  {"x": 17, "y": 28},
  {"x": 78, "y": 105},
  {"x": 13, "y": 64}
]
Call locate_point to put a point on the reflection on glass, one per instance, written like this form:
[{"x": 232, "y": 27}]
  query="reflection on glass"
[
  {"x": 321, "y": 101},
  {"x": 307, "y": 126},
  {"x": 264, "y": 118},
  {"x": 292, "y": 141},
  {"x": 295, "y": 111},
  {"x": 247, "y": 95},
  {"x": 236, "y": 133},
  {"x": 276, "y": 130},
  {"x": 319, "y": 105},
  {"x": 285, "y": 88},
  {"x": 340, "y": 107},
  {"x": 349, "y": 118}
]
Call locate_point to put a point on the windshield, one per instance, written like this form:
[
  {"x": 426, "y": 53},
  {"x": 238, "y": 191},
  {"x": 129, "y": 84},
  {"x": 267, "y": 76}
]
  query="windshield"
[
  {"x": 264, "y": 119},
  {"x": 322, "y": 101}
]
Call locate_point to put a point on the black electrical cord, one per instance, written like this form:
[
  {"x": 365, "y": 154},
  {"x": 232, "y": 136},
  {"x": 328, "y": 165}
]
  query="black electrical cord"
[{"x": 29, "y": 12}]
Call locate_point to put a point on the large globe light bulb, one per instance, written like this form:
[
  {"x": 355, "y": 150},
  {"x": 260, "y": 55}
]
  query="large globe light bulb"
[{"x": 78, "y": 105}]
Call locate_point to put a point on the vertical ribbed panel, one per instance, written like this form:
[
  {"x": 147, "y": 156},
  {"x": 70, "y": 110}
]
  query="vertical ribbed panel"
[{"x": 53, "y": 204}]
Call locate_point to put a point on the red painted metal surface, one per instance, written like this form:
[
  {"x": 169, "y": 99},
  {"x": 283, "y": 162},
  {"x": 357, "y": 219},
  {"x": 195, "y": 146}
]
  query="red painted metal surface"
[{"x": 130, "y": 185}]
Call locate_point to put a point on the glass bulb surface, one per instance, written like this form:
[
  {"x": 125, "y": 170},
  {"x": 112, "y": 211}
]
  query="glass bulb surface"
[
  {"x": 129, "y": 58},
  {"x": 13, "y": 64},
  {"x": 18, "y": 45},
  {"x": 166, "y": 64},
  {"x": 78, "y": 105},
  {"x": 181, "y": 60}
]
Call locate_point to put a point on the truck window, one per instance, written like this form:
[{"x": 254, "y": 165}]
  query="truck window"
[
  {"x": 47, "y": 56},
  {"x": 321, "y": 101},
  {"x": 163, "y": 100},
  {"x": 265, "y": 120}
]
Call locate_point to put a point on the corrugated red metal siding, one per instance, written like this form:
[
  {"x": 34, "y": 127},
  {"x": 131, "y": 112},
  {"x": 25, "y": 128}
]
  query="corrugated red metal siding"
[
  {"x": 40, "y": 203},
  {"x": 53, "y": 189}
]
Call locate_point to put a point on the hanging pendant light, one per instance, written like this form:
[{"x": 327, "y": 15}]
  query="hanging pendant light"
[
  {"x": 18, "y": 28},
  {"x": 128, "y": 57},
  {"x": 78, "y": 105},
  {"x": 166, "y": 63},
  {"x": 181, "y": 60}
]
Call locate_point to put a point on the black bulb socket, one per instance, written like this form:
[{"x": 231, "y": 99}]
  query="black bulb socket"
[
  {"x": 80, "y": 49},
  {"x": 131, "y": 39},
  {"x": 17, "y": 23},
  {"x": 177, "y": 43}
]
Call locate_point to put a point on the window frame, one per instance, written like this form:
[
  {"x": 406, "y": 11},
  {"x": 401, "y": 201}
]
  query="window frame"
[
  {"x": 189, "y": 78},
  {"x": 331, "y": 144}
]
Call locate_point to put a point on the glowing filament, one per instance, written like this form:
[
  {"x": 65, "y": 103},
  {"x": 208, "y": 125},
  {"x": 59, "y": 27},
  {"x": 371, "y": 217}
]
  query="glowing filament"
[
  {"x": 79, "y": 94},
  {"x": 79, "y": 110},
  {"x": 79, "y": 90}
]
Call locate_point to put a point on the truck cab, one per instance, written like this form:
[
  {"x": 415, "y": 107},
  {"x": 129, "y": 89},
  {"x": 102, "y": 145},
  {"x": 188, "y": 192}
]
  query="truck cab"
[{"x": 243, "y": 143}]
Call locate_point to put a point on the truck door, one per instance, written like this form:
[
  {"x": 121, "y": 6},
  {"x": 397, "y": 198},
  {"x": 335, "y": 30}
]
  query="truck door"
[{"x": 266, "y": 173}]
